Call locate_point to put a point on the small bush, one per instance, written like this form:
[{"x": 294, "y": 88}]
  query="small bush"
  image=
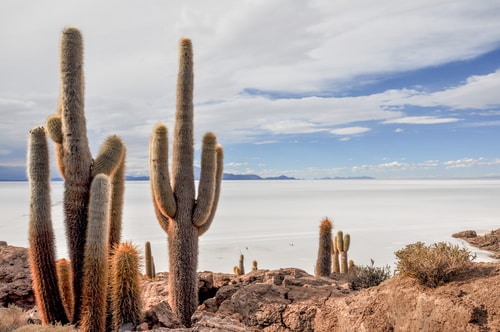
[
  {"x": 433, "y": 265},
  {"x": 369, "y": 275}
]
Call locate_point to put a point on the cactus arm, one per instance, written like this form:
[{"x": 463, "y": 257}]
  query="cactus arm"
[
  {"x": 118, "y": 189},
  {"x": 347, "y": 242},
  {"x": 41, "y": 235},
  {"x": 54, "y": 129},
  {"x": 110, "y": 157},
  {"x": 183, "y": 151},
  {"x": 218, "y": 183},
  {"x": 163, "y": 196},
  {"x": 206, "y": 187},
  {"x": 340, "y": 241},
  {"x": 95, "y": 268}
]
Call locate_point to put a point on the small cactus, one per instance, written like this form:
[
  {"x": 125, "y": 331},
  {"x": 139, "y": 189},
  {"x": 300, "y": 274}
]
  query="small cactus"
[
  {"x": 148, "y": 260},
  {"x": 65, "y": 279},
  {"x": 242, "y": 264},
  {"x": 351, "y": 265},
  {"x": 254, "y": 265},
  {"x": 324, "y": 261},
  {"x": 125, "y": 286},
  {"x": 237, "y": 271}
]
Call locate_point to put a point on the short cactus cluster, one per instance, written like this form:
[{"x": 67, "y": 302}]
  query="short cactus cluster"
[{"x": 329, "y": 250}]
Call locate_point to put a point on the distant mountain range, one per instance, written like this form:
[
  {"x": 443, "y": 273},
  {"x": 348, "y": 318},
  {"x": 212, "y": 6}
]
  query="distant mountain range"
[
  {"x": 18, "y": 173},
  {"x": 348, "y": 178}
]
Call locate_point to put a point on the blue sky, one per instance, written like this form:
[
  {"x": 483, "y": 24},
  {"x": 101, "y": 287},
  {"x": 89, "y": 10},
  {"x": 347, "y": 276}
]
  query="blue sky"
[{"x": 308, "y": 89}]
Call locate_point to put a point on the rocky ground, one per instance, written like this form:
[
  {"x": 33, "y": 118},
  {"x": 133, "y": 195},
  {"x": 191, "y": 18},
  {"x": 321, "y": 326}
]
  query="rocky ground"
[
  {"x": 289, "y": 299},
  {"x": 489, "y": 241}
]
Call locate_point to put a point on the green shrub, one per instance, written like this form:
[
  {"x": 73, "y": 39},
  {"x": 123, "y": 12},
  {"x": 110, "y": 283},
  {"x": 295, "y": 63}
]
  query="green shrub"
[
  {"x": 368, "y": 276},
  {"x": 433, "y": 265}
]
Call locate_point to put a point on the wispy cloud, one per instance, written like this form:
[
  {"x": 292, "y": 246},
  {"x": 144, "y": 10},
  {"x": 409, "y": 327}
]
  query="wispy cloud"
[
  {"x": 350, "y": 130},
  {"x": 421, "y": 120}
]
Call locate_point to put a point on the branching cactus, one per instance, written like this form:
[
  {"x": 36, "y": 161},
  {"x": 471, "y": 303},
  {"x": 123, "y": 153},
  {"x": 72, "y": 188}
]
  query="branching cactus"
[
  {"x": 183, "y": 216},
  {"x": 342, "y": 243},
  {"x": 324, "y": 261},
  {"x": 68, "y": 130}
]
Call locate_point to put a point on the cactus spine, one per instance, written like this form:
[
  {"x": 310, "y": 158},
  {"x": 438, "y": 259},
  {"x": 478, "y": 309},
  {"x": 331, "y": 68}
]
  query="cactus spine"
[
  {"x": 65, "y": 278},
  {"x": 182, "y": 216},
  {"x": 125, "y": 286},
  {"x": 324, "y": 260},
  {"x": 342, "y": 243},
  {"x": 41, "y": 235}
]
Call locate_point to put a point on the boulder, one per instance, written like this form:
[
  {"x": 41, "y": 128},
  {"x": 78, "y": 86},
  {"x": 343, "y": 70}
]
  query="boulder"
[{"x": 15, "y": 279}]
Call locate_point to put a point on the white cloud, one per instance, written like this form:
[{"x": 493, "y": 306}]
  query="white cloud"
[
  {"x": 312, "y": 47},
  {"x": 350, "y": 130},
  {"x": 421, "y": 120}
]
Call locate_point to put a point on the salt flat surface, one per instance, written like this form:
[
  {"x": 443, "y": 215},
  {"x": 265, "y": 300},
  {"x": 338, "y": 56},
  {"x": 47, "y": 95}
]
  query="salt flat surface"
[{"x": 277, "y": 222}]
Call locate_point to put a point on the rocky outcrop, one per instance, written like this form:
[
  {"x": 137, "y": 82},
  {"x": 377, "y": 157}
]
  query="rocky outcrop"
[
  {"x": 489, "y": 241},
  {"x": 15, "y": 278},
  {"x": 292, "y": 300}
]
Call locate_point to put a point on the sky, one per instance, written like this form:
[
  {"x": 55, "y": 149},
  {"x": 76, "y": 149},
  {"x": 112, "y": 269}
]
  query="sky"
[{"x": 308, "y": 89}]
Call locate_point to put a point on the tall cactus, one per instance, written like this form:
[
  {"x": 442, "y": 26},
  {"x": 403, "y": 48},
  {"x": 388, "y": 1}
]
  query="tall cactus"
[
  {"x": 68, "y": 130},
  {"x": 342, "y": 243},
  {"x": 183, "y": 216},
  {"x": 324, "y": 261},
  {"x": 41, "y": 235}
]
